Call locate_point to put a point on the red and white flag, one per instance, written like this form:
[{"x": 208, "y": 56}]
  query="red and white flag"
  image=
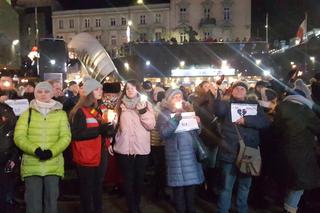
[{"x": 302, "y": 30}]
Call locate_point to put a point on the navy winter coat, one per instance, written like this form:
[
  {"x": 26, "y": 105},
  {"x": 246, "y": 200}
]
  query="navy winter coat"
[
  {"x": 249, "y": 132},
  {"x": 183, "y": 169}
]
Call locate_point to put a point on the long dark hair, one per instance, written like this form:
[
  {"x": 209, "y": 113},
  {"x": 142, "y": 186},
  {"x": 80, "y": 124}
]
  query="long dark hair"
[{"x": 84, "y": 101}]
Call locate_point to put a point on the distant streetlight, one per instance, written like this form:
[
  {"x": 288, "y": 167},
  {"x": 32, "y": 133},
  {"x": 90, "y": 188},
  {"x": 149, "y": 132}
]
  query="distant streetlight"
[
  {"x": 15, "y": 42},
  {"x": 292, "y": 62},
  {"x": 129, "y": 31},
  {"x": 126, "y": 65},
  {"x": 140, "y": 2},
  {"x": 129, "y": 22},
  {"x": 182, "y": 63},
  {"x": 52, "y": 62},
  {"x": 148, "y": 63},
  {"x": 258, "y": 61},
  {"x": 312, "y": 59}
]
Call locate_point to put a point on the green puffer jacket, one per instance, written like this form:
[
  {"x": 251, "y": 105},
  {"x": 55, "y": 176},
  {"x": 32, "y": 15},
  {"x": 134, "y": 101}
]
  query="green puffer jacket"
[{"x": 47, "y": 132}]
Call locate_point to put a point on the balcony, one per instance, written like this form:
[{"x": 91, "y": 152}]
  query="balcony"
[{"x": 207, "y": 22}]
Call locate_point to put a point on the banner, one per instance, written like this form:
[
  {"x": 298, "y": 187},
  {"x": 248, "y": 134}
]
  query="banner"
[
  {"x": 187, "y": 123},
  {"x": 242, "y": 110}
]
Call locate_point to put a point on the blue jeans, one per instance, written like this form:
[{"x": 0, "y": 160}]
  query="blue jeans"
[
  {"x": 229, "y": 174},
  {"x": 292, "y": 200}
]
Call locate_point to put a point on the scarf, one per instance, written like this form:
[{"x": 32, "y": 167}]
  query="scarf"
[
  {"x": 130, "y": 103},
  {"x": 45, "y": 107}
]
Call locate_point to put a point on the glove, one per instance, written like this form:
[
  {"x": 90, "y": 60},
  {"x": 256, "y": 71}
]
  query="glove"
[
  {"x": 43, "y": 154},
  {"x": 107, "y": 130},
  {"x": 177, "y": 117}
]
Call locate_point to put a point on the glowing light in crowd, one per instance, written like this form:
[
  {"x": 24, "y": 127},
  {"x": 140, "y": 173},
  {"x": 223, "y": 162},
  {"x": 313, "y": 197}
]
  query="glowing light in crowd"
[
  {"x": 148, "y": 63},
  {"x": 126, "y": 65},
  {"x": 143, "y": 98},
  {"x": 182, "y": 63},
  {"x": 129, "y": 23},
  {"x": 293, "y": 66},
  {"x": 178, "y": 105},
  {"x": 186, "y": 80},
  {"x": 300, "y": 73},
  {"x": 292, "y": 62}
]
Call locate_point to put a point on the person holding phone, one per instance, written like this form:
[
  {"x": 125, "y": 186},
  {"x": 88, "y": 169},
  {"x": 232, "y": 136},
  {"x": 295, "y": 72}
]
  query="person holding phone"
[{"x": 132, "y": 141}]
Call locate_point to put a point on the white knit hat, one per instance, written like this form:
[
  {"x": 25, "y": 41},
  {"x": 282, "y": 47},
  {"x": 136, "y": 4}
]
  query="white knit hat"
[
  {"x": 90, "y": 85},
  {"x": 44, "y": 85}
]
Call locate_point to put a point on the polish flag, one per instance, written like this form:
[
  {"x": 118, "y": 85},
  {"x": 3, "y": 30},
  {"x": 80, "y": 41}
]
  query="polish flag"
[{"x": 302, "y": 30}]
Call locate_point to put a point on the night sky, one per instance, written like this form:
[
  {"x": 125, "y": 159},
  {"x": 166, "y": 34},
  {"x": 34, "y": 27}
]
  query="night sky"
[{"x": 285, "y": 16}]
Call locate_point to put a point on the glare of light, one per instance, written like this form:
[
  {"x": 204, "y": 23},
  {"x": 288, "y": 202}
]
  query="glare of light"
[
  {"x": 312, "y": 58},
  {"x": 6, "y": 84},
  {"x": 130, "y": 23},
  {"x": 148, "y": 63},
  {"x": 143, "y": 98},
  {"x": 198, "y": 81},
  {"x": 140, "y": 2},
  {"x": 297, "y": 41},
  {"x": 299, "y": 73},
  {"x": 182, "y": 63},
  {"x": 5, "y": 68},
  {"x": 15, "y": 42},
  {"x": 293, "y": 66},
  {"x": 186, "y": 80},
  {"x": 128, "y": 32},
  {"x": 52, "y": 62},
  {"x": 266, "y": 26},
  {"x": 224, "y": 62},
  {"x": 178, "y": 105},
  {"x": 173, "y": 85},
  {"x": 266, "y": 72},
  {"x": 292, "y": 62},
  {"x": 126, "y": 65},
  {"x": 258, "y": 61}
]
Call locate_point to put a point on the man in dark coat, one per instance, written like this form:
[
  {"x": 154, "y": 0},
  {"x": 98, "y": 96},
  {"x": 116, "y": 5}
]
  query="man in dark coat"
[
  {"x": 298, "y": 126},
  {"x": 248, "y": 127}
]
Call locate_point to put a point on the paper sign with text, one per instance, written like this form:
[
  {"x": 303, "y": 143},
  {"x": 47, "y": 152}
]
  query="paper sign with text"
[
  {"x": 187, "y": 123},
  {"x": 242, "y": 110},
  {"x": 18, "y": 106}
]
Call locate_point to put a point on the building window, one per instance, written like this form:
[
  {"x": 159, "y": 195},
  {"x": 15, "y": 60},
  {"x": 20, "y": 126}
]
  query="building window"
[
  {"x": 143, "y": 19},
  {"x": 226, "y": 14},
  {"x": 113, "y": 40},
  {"x": 60, "y": 24},
  {"x": 98, "y": 37},
  {"x": 207, "y": 13},
  {"x": 158, "y": 18},
  {"x": 86, "y": 23},
  {"x": 113, "y": 22},
  {"x": 71, "y": 23},
  {"x": 143, "y": 37},
  {"x": 206, "y": 35},
  {"x": 158, "y": 36},
  {"x": 98, "y": 22},
  {"x": 183, "y": 14},
  {"x": 183, "y": 37},
  {"x": 123, "y": 21}
]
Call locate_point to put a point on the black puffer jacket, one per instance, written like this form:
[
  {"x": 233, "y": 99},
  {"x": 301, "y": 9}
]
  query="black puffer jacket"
[{"x": 8, "y": 120}]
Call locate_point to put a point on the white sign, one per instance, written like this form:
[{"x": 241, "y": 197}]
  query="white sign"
[
  {"x": 242, "y": 110},
  {"x": 187, "y": 123},
  {"x": 202, "y": 72},
  {"x": 18, "y": 106}
]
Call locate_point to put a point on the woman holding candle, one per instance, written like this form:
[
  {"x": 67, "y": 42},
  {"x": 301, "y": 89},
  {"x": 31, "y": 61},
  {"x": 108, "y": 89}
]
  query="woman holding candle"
[
  {"x": 184, "y": 172},
  {"x": 136, "y": 120},
  {"x": 90, "y": 130}
]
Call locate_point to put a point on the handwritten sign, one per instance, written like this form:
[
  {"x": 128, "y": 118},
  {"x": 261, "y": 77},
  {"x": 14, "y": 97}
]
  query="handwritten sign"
[
  {"x": 242, "y": 110},
  {"x": 18, "y": 106},
  {"x": 187, "y": 123}
]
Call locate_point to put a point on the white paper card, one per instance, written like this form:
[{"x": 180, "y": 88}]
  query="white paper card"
[
  {"x": 187, "y": 123},
  {"x": 18, "y": 106},
  {"x": 242, "y": 110}
]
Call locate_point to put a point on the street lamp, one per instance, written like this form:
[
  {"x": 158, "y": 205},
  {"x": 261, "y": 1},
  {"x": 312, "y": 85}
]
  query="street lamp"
[
  {"x": 258, "y": 61},
  {"x": 140, "y": 2},
  {"x": 148, "y": 63},
  {"x": 129, "y": 31},
  {"x": 182, "y": 63},
  {"x": 312, "y": 59},
  {"x": 126, "y": 65},
  {"x": 15, "y": 42}
]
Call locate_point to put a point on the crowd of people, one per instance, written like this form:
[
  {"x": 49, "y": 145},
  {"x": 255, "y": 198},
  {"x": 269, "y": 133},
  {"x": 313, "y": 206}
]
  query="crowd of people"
[{"x": 93, "y": 127}]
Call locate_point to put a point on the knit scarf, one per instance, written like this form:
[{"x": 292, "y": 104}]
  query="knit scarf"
[
  {"x": 45, "y": 107},
  {"x": 130, "y": 103}
]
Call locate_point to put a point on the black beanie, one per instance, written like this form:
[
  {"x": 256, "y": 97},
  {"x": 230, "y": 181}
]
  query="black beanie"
[{"x": 241, "y": 84}]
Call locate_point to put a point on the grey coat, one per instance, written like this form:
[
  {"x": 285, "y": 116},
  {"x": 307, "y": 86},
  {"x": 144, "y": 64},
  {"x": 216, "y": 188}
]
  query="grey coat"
[{"x": 183, "y": 169}]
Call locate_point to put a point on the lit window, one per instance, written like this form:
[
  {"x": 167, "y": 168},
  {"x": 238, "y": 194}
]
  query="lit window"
[{"x": 183, "y": 37}]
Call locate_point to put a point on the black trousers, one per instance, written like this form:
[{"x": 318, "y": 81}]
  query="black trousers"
[
  {"x": 159, "y": 181},
  {"x": 91, "y": 185},
  {"x": 133, "y": 168},
  {"x": 184, "y": 199}
]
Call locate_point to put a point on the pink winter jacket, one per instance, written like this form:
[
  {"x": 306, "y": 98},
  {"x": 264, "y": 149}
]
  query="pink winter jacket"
[{"x": 133, "y": 136}]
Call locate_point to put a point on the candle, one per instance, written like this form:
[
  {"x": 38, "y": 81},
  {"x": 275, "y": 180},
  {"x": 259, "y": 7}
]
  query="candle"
[{"x": 178, "y": 105}]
